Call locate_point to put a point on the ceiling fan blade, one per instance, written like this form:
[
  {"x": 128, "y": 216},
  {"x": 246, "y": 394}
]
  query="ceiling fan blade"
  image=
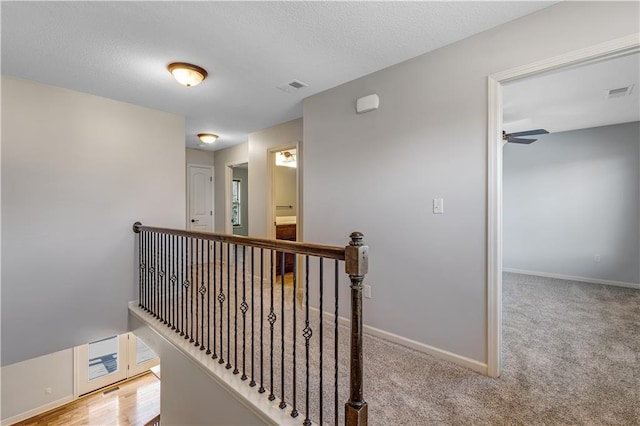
[
  {"x": 530, "y": 132},
  {"x": 520, "y": 140}
]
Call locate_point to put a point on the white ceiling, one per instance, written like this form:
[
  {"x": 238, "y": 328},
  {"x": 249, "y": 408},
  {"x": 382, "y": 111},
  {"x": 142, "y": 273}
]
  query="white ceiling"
[
  {"x": 120, "y": 50},
  {"x": 574, "y": 98}
]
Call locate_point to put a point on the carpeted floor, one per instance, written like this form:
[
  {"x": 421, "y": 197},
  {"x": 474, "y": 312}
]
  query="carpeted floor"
[{"x": 571, "y": 357}]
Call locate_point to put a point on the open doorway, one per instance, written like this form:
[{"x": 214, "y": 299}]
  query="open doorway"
[
  {"x": 284, "y": 208},
  {"x": 239, "y": 203},
  {"x": 497, "y": 84}
]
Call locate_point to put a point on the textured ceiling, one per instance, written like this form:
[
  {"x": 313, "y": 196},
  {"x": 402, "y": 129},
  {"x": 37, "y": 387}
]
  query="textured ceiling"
[
  {"x": 120, "y": 50},
  {"x": 574, "y": 98}
]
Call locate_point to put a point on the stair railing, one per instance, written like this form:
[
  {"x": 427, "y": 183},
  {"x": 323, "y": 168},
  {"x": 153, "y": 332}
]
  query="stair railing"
[{"x": 224, "y": 294}]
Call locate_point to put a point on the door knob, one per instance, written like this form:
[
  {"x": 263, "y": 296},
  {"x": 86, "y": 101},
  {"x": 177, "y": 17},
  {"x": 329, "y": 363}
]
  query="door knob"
[{"x": 194, "y": 220}]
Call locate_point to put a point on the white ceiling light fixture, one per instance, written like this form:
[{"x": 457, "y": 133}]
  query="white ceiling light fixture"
[
  {"x": 187, "y": 74},
  {"x": 207, "y": 138},
  {"x": 287, "y": 158}
]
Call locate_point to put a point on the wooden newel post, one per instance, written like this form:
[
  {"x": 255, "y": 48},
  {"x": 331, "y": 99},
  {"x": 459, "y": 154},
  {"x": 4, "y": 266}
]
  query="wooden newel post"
[{"x": 356, "y": 266}]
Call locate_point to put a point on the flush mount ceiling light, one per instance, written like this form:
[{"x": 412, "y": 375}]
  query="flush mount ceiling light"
[
  {"x": 208, "y": 138},
  {"x": 286, "y": 158},
  {"x": 187, "y": 74}
]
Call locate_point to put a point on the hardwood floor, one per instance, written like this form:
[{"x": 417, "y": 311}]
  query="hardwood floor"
[{"x": 136, "y": 402}]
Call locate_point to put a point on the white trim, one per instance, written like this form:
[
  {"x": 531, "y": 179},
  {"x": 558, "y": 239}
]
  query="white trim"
[
  {"x": 257, "y": 403},
  {"x": 573, "y": 278},
  {"x": 620, "y": 46},
  {"x": 38, "y": 410},
  {"x": 472, "y": 364}
]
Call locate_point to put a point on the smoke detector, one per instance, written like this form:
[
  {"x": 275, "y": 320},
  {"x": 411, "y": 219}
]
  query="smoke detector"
[
  {"x": 619, "y": 92},
  {"x": 292, "y": 86}
]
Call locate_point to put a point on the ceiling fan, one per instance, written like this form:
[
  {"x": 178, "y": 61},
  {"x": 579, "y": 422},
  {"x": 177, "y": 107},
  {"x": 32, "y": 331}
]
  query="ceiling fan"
[{"x": 514, "y": 137}]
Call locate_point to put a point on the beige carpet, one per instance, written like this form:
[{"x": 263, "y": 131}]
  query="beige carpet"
[{"x": 571, "y": 357}]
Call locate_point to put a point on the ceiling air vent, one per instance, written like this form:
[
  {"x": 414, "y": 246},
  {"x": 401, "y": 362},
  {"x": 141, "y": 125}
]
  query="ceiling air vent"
[
  {"x": 619, "y": 92},
  {"x": 292, "y": 86}
]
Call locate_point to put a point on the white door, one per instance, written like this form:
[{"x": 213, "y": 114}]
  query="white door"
[
  {"x": 200, "y": 196},
  {"x": 108, "y": 361}
]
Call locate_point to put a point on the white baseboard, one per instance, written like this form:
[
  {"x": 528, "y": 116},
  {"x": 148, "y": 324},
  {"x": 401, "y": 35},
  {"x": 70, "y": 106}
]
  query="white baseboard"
[
  {"x": 39, "y": 410},
  {"x": 415, "y": 345},
  {"x": 572, "y": 278}
]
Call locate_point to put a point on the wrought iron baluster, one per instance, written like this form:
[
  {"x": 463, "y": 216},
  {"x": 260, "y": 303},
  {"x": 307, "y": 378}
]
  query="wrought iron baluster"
[
  {"x": 154, "y": 269},
  {"x": 321, "y": 337},
  {"x": 174, "y": 283},
  {"x": 164, "y": 278},
  {"x": 272, "y": 320},
  {"x": 335, "y": 344},
  {"x": 228, "y": 366},
  {"x": 215, "y": 261},
  {"x": 209, "y": 325},
  {"x": 307, "y": 333},
  {"x": 203, "y": 290},
  {"x": 294, "y": 411},
  {"x": 235, "y": 309},
  {"x": 140, "y": 269},
  {"x": 252, "y": 383},
  {"x": 183, "y": 284},
  {"x": 195, "y": 333},
  {"x": 261, "y": 388},
  {"x": 189, "y": 335},
  {"x": 221, "y": 301},
  {"x": 244, "y": 307},
  {"x": 282, "y": 273}
]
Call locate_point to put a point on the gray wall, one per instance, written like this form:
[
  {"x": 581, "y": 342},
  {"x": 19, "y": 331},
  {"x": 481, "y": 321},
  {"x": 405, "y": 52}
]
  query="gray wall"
[
  {"x": 570, "y": 196},
  {"x": 378, "y": 172},
  {"x": 199, "y": 156},
  {"x": 23, "y": 383},
  {"x": 280, "y": 136},
  {"x": 224, "y": 158},
  {"x": 243, "y": 175},
  {"x": 285, "y": 182},
  {"x": 77, "y": 171}
]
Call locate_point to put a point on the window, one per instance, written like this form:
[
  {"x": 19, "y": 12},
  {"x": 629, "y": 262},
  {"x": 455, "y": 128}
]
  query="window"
[{"x": 236, "y": 207}]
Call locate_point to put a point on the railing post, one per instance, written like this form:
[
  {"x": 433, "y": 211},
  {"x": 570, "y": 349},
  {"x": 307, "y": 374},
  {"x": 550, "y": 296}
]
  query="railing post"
[{"x": 356, "y": 266}]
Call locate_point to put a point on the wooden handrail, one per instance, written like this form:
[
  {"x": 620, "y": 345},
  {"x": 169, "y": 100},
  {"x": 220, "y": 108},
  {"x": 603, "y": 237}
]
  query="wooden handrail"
[{"x": 329, "y": 252}]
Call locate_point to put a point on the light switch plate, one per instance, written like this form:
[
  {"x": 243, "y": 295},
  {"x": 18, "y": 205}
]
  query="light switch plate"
[{"x": 438, "y": 206}]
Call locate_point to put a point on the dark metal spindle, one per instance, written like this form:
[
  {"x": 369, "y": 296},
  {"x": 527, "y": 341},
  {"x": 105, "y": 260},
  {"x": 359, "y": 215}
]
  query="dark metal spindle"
[
  {"x": 294, "y": 411},
  {"x": 252, "y": 383},
  {"x": 176, "y": 285},
  {"x": 235, "y": 310},
  {"x": 282, "y": 272},
  {"x": 183, "y": 285},
  {"x": 244, "y": 307},
  {"x": 261, "y": 388},
  {"x": 190, "y": 291},
  {"x": 228, "y": 366},
  {"x": 154, "y": 295},
  {"x": 203, "y": 290},
  {"x": 272, "y": 320},
  {"x": 221, "y": 300},
  {"x": 215, "y": 259},
  {"x": 140, "y": 269},
  {"x": 307, "y": 333},
  {"x": 196, "y": 289},
  {"x": 209, "y": 325},
  {"x": 320, "y": 337},
  {"x": 335, "y": 344},
  {"x": 165, "y": 278}
]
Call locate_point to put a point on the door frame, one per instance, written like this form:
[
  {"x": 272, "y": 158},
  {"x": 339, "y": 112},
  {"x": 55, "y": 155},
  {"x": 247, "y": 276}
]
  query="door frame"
[
  {"x": 271, "y": 196},
  {"x": 228, "y": 179},
  {"x": 618, "y": 47},
  {"x": 127, "y": 350},
  {"x": 188, "y": 205}
]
